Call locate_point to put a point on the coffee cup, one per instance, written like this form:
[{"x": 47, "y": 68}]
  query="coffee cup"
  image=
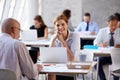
[{"x": 82, "y": 57}]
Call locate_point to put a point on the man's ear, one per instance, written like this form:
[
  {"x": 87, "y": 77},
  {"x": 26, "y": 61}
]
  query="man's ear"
[{"x": 107, "y": 23}]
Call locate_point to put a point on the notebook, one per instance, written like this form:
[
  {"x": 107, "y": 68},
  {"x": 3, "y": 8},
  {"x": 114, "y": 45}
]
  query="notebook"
[
  {"x": 53, "y": 55},
  {"x": 29, "y": 35}
]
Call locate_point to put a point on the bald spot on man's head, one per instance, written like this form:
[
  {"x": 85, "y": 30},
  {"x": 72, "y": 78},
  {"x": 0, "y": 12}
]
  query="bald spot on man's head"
[{"x": 8, "y": 24}]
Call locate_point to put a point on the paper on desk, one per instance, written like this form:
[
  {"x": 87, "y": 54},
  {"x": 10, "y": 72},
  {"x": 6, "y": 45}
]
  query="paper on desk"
[
  {"x": 42, "y": 40},
  {"x": 83, "y": 63},
  {"x": 63, "y": 69},
  {"x": 55, "y": 68}
]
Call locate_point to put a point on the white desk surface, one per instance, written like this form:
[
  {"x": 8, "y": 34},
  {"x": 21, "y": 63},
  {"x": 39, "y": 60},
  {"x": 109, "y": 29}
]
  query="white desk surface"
[
  {"x": 37, "y": 43},
  {"x": 88, "y": 36},
  {"x": 62, "y": 69},
  {"x": 101, "y": 52}
]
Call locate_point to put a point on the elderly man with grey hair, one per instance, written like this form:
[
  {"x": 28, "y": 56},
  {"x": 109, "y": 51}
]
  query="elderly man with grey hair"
[{"x": 14, "y": 55}]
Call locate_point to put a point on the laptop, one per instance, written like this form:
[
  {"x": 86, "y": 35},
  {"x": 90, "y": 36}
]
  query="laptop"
[
  {"x": 117, "y": 71},
  {"x": 29, "y": 35},
  {"x": 53, "y": 54}
]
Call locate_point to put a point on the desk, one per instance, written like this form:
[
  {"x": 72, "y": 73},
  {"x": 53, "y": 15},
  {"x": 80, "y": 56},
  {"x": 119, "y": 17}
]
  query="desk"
[
  {"x": 104, "y": 52},
  {"x": 37, "y": 43},
  {"x": 62, "y": 69},
  {"x": 101, "y": 52},
  {"x": 88, "y": 36},
  {"x": 86, "y": 39}
]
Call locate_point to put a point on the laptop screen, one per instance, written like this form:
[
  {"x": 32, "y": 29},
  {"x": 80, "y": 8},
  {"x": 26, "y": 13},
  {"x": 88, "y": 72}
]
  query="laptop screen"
[
  {"x": 29, "y": 35},
  {"x": 53, "y": 54}
]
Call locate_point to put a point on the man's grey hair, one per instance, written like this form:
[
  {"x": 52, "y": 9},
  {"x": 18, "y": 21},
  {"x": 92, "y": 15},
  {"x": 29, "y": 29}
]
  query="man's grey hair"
[{"x": 8, "y": 24}]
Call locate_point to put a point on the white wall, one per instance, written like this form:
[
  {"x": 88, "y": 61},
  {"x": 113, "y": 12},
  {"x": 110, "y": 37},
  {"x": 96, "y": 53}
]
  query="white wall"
[
  {"x": 52, "y": 8},
  {"x": 101, "y": 9},
  {"x": 32, "y": 10}
]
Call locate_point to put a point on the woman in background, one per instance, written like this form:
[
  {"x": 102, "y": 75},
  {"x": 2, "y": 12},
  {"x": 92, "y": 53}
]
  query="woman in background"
[
  {"x": 42, "y": 29},
  {"x": 42, "y": 33},
  {"x": 118, "y": 16},
  {"x": 67, "y": 13}
]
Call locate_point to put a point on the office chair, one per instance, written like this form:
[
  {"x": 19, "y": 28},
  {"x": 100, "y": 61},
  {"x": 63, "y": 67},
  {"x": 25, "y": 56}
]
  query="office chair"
[
  {"x": 89, "y": 58},
  {"x": 115, "y": 67},
  {"x": 7, "y": 75},
  {"x": 33, "y": 55}
]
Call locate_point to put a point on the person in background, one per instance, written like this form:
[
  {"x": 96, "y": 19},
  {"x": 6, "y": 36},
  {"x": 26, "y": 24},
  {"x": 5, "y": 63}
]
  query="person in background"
[
  {"x": 88, "y": 26},
  {"x": 39, "y": 25},
  {"x": 14, "y": 55},
  {"x": 118, "y": 25},
  {"x": 42, "y": 33},
  {"x": 107, "y": 37},
  {"x": 118, "y": 16},
  {"x": 67, "y": 13},
  {"x": 63, "y": 38}
]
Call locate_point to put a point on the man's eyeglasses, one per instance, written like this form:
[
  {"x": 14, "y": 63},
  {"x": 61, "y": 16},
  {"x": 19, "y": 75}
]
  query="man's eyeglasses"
[{"x": 19, "y": 29}]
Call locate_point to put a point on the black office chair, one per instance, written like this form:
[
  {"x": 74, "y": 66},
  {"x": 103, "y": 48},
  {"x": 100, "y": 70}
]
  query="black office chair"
[{"x": 33, "y": 54}]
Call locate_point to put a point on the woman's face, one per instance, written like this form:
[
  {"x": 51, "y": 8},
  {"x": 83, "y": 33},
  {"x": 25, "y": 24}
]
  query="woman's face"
[
  {"x": 37, "y": 24},
  {"x": 61, "y": 26}
]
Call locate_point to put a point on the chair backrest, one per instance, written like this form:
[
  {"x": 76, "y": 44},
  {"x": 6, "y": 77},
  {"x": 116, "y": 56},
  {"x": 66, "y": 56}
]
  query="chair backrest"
[
  {"x": 115, "y": 54},
  {"x": 6, "y": 74},
  {"x": 76, "y": 39}
]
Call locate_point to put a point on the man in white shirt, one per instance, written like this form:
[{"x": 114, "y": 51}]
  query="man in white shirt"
[
  {"x": 109, "y": 36},
  {"x": 88, "y": 25},
  {"x": 103, "y": 36},
  {"x": 14, "y": 55}
]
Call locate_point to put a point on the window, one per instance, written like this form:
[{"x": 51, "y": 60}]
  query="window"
[{"x": 2, "y": 2}]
